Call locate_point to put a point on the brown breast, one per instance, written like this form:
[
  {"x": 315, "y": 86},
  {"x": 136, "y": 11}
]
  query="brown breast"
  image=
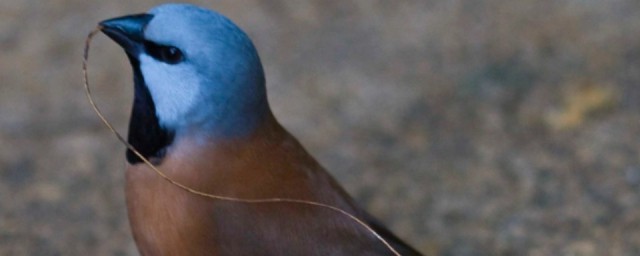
[{"x": 167, "y": 220}]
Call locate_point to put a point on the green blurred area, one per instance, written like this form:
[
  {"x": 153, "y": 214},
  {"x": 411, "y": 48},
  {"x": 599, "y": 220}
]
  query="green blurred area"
[{"x": 488, "y": 127}]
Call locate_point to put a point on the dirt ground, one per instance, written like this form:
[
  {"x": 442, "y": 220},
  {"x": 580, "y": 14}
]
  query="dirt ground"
[{"x": 488, "y": 127}]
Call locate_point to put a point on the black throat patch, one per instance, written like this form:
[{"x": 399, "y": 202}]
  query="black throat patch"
[{"x": 145, "y": 133}]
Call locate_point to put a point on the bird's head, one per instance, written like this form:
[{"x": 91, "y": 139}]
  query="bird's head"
[{"x": 194, "y": 70}]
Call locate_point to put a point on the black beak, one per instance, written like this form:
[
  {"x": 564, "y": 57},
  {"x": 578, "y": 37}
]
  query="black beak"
[{"x": 127, "y": 31}]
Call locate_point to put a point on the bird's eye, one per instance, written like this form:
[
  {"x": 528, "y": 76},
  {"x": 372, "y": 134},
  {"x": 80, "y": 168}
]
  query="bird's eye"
[
  {"x": 170, "y": 55},
  {"x": 167, "y": 54}
]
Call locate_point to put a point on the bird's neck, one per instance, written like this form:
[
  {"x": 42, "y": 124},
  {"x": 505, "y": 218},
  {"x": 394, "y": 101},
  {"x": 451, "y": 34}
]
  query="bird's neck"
[
  {"x": 227, "y": 127},
  {"x": 234, "y": 120}
]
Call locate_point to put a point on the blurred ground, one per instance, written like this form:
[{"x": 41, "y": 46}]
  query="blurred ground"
[{"x": 489, "y": 127}]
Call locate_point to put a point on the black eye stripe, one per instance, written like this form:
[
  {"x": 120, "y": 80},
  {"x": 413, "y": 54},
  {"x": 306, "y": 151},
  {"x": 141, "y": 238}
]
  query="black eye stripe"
[{"x": 164, "y": 53}]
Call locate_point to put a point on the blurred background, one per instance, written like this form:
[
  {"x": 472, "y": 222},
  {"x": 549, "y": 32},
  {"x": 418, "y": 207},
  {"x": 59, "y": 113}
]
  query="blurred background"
[{"x": 488, "y": 127}]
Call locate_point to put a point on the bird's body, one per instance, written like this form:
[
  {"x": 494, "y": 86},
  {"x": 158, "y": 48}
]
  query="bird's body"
[
  {"x": 170, "y": 221},
  {"x": 200, "y": 113}
]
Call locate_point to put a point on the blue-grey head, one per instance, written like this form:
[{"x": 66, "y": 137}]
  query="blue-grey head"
[{"x": 194, "y": 70}]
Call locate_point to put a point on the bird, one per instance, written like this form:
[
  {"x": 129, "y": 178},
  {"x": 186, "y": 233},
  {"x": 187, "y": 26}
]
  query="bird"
[{"x": 200, "y": 114}]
